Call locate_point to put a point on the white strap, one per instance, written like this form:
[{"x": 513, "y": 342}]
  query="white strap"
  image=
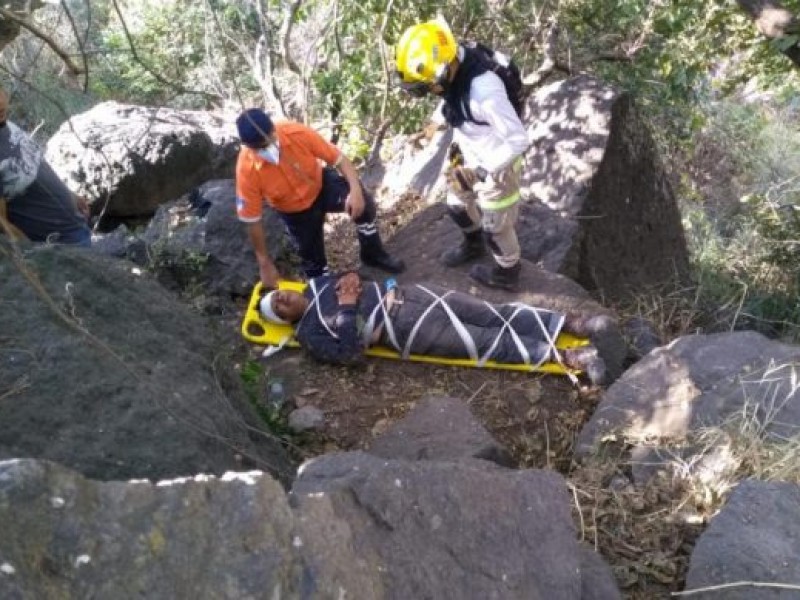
[
  {"x": 466, "y": 338},
  {"x": 272, "y": 350},
  {"x": 369, "y": 327},
  {"x": 556, "y": 354},
  {"x": 318, "y": 305},
  {"x": 526, "y": 357}
]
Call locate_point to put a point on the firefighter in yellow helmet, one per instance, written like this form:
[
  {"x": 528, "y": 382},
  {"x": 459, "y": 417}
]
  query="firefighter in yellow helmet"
[{"x": 484, "y": 179}]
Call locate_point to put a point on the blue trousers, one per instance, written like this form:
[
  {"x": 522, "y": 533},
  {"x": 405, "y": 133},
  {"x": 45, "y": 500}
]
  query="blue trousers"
[
  {"x": 306, "y": 228},
  {"x": 45, "y": 211}
]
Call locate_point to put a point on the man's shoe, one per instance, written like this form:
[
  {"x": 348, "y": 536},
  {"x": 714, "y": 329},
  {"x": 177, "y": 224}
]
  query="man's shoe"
[
  {"x": 586, "y": 359},
  {"x": 383, "y": 261},
  {"x": 496, "y": 276},
  {"x": 471, "y": 247}
]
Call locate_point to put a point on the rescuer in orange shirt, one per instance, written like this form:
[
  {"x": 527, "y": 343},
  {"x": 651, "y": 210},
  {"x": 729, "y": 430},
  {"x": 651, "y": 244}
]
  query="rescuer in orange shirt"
[{"x": 281, "y": 164}]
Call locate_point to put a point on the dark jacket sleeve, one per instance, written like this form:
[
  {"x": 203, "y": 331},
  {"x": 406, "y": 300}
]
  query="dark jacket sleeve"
[{"x": 344, "y": 350}]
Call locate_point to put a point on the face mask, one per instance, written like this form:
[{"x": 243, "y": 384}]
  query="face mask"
[{"x": 271, "y": 153}]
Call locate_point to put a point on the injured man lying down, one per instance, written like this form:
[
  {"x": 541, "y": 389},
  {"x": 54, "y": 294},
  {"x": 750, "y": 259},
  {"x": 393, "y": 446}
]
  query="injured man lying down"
[{"x": 337, "y": 317}]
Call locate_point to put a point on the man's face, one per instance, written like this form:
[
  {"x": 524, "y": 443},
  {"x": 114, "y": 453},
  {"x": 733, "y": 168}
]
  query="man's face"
[
  {"x": 289, "y": 305},
  {"x": 268, "y": 141}
]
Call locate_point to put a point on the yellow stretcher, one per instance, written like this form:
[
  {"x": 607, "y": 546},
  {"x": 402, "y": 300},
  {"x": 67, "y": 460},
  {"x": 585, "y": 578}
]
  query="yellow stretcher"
[{"x": 265, "y": 333}]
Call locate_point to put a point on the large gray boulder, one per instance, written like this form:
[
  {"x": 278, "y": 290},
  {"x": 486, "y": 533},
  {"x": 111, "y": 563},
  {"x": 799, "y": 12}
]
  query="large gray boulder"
[
  {"x": 130, "y": 159},
  {"x": 755, "y": 538},
  {"x": 104, "y": 371},
  {"x": 354, "y": 526},
  {"x": 466, "y": 529},
  {"x": 198, "y": 240},
  {"x": 593, "y": 162},
  {"x": 65, "y": 536},
  {"x": 415, "y": 167},
  {"x": 696, "y": 384}
]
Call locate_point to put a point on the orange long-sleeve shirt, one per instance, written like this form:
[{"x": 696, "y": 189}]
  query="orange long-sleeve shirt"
[{"x": 290, "y": 186}]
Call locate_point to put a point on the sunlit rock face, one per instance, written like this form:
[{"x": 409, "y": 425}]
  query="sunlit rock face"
[
  {"x": 128, "y": 160},
  {"x": 690, "y": 389},
  {"x": 593, "y": 164}
]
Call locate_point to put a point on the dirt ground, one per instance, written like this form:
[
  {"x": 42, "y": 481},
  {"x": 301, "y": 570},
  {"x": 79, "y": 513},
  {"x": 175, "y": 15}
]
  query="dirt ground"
[{"x": 536, "y": 417}]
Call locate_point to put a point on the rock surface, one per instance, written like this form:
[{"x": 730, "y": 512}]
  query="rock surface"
[
  {"x": 354, "y": 526},
  {"x": 439, "y": 429},
  {"x": 719, "y": 385},
  {"x": 443, "y": 530},
  {"x": 696, "y": 381},
  {"x": 105, "y": 372},
  {"x": 70, "y": 537},
  {"x": 199, "y": 240},
  {"x": 127, "y": 160},
  {"x": 306, "y": 418},
  {"x": 755, "y": 538},
  {"x": 593, "y": 160}
]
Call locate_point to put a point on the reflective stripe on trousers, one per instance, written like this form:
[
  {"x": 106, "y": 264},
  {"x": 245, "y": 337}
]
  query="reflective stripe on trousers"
[{"x": 493, "y": 205}]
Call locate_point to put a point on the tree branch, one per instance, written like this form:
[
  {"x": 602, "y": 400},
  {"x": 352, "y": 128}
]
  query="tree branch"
[
  {"x": 34, "y": 29},
  {"x": 160, "y": 78},
  {"x": 81, "y": 46},
  {"x": 384, "y": 59},
  {"x": 549, "y": 64},
  {"x": 285, "y": 35}
]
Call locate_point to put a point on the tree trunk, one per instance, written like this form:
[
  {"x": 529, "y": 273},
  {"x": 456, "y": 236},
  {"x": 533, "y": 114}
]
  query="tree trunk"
[{"x": 773, "y": 21}]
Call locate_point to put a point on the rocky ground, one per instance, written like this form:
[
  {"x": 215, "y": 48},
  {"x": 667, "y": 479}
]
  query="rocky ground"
[{"x": 536, "y": 417}]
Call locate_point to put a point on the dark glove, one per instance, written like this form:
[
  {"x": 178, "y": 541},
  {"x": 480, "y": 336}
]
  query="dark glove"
[{"x": 455, "y": 158}]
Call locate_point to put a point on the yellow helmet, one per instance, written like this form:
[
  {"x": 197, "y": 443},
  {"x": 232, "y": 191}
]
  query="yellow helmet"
[{"x": 423, "y": 51}]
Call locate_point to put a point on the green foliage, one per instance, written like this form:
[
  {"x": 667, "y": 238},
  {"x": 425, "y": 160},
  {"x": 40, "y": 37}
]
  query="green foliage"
[
  {"x": 168, "y": 39},
  {"x": 746, "y": 257},
  {"x": 47, "y": 103},
  {"x": 256, "y": 380}
]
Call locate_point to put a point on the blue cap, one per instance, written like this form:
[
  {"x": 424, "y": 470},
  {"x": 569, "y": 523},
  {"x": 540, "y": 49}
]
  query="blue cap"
[{"x": 254, "y": 125}]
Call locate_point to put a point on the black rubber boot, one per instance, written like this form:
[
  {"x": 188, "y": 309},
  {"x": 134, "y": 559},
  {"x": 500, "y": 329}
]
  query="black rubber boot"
[
  {"x": 373, "y": 254},
  {"x": 471, "y": 247},
  {"x": 496, "y": 276}
]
